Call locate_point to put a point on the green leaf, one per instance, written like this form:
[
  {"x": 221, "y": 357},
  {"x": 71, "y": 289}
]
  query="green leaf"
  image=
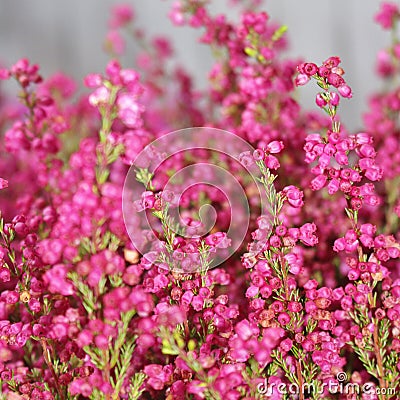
[
  {"x": 123, "y": 364},
  {"x": 279, "y": 33},
  {"x": 136, "y": 383},
  {"x": 251, "y": 52}
]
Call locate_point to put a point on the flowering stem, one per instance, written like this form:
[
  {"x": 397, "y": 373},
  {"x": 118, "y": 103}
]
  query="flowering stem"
[
  {"x": 107, "y": 116},
  {"x": 300, "y": 379},
  {"x": 11, "y": 253},
  {"x": 26, "y": 98},
  {"x": 106, "y": 371},
  {"x": 377, "y": 348},
  {"x": 47, "y": 359},
  {"x": 173, "y": 344},
  {"x": 381, "y": 370},
  {"x": 275, "y": 203},
  {"x": 106, "y": 152}
]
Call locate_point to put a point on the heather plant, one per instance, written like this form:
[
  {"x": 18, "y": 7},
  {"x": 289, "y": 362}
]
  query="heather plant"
[{"x": 251, "y": 253}]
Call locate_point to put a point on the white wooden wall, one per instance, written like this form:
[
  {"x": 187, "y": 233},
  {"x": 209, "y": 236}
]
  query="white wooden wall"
[{"x": 67, "y": 36}]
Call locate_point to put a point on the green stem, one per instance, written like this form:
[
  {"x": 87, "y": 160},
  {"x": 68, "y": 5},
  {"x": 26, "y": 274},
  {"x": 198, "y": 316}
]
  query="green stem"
[{"x": 47, "y": 359}]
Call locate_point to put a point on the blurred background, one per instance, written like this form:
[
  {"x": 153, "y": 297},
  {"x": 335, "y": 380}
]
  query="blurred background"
[{"x": 68, "y": 36}]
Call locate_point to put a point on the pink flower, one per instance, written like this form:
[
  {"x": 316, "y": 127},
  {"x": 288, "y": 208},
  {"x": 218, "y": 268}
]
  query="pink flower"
[
  {"x": 307, "y": 234},
  {"x": 366, "y": 150},
  {"x": 148, "y": 200},
  {"x": 176, "y": 14},
  {"x": 345, "y": 91},
  {"x": 275, "y": 147},
  {"x": 294, "y": 196},
  {"x": 115, "y": 42},
  {"x": 295, "y": 306},
  {"x": 50, "y": 250},
  {"x": 310, "y": 69},
  {"x": 334, "y": 99},
  {"x": 332, "y": 62},
  {"x": 4, "y": 274},
  {"x": 252, "y": 291},
  {"x": 218, "y": 239},
  {"x": 286, "y": 345},
  {"x": 93, "y": 80},
  {"x": 323, "y": 71},
  {"x": 34, "y": 305},
  {"x": 121, "y": 14},
  {"x": 157, "y": 376},
  {"x": 245, "y": 330},
  {"x": 272, "y": 162},
  {"x": 318, "y": 182},
  {"x": 3, "y": 183},
  {"x": 374, "y": 173},
  {"x": 385, "y": 65},
  {"x": 341, "y": 158},
  {"x": 387, "y": 14},
  {"x": 246, "y": 159},
  {"x": 129, "y": 77},
  {"x": 258, "y": 154},
  {"x": 99, "y": 97},
  {"x": 335, "y": 80},
  {"x": 56, "y": 279},
  {"x": 4, "y": 74},
  {"x": 101, "y": 342},
  {"x": 80, "y": 386},
  {"x": 84, "y": 338},
  {"x": 301, "y": 79},
  {"x": 320, "y": 101},
  {"x": 129, "y": 110}
]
